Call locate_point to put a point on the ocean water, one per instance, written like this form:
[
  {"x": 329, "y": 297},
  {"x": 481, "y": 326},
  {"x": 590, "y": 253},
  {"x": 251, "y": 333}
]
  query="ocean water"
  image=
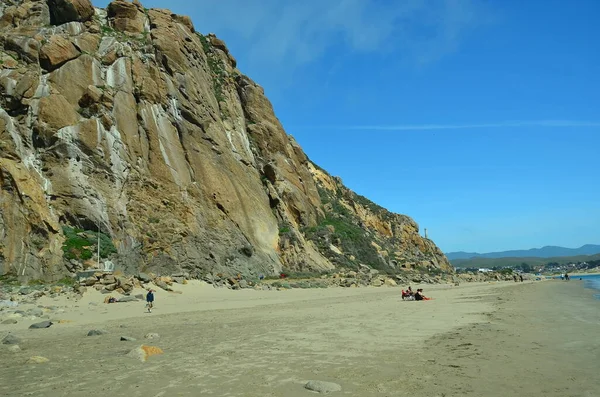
[{"x": 590, "y": 281}]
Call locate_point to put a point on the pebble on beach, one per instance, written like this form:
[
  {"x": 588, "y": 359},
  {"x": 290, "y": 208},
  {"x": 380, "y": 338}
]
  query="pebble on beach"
[
  {"x": 37, "y": 360},
  {"x": 97, "y": 332},
  {"x": 320, "y": 386}
]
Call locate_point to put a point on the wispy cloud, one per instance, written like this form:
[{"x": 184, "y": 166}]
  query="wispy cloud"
[
  {"x": 506, "y": 124},
  {"x": 294, "y": 33},
  {"x": 276, "y": 40}
]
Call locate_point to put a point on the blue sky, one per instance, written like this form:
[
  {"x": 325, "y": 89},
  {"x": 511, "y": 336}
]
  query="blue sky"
[{"x": 479, "y": 119}]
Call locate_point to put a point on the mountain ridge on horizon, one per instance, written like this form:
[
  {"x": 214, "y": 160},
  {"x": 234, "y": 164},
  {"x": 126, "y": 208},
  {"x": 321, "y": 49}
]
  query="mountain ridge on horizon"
[{"x": 549, "y": 251}]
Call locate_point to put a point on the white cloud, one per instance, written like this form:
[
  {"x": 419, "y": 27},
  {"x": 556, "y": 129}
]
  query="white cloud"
[
  {"x": 280, "y": 42},
  {"x": 295, "y": 33}
]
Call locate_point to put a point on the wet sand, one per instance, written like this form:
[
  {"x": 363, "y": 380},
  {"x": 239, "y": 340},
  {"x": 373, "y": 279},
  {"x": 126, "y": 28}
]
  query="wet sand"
[{"x": 528, "y": 339}]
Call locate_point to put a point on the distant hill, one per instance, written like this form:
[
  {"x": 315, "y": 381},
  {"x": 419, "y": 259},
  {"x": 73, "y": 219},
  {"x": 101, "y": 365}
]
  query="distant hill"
[
  {"x": 544, "y": 252},
  {"x": 515, "y": 261}
]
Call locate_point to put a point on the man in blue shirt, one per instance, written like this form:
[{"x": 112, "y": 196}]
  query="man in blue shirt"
[{"x": 150, "y": 300}]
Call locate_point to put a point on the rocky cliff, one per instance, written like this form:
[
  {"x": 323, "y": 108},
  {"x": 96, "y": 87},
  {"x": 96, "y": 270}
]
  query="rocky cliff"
[{"x": 127, "y": 127}]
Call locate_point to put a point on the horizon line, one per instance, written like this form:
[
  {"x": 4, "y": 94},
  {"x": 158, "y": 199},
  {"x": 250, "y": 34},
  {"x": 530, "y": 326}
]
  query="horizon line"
[
  {"x": 524, "y": 249},
  {"x": 416, "y": 127}
]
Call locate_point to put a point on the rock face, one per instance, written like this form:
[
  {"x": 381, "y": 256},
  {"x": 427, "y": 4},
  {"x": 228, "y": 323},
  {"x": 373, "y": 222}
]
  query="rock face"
[
  {"x": 63, "y": 11},
  {"x": 57, "y": 52},
  {"x": 125, "y": 132}
]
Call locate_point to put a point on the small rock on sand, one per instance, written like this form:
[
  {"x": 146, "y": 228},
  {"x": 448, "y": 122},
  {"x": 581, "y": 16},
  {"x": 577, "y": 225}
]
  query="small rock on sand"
[
  {"x": 127, "y": 299},
  {"x": 36, "y": 311},
  {"x": 152, "y": 336},
  {"x": 143, "y": 352},
  {"x": 11, "y": 339},
  {"x": 37, "y": 360},
  {"x": 320, "y": 386},
  {"x": 43, "y": 324},
  {"x": 10, "y": 321},
  {"x": 97, "y": 332},
  {"x": 13, "y": 348},
  {"x": 128, "y": 339}
]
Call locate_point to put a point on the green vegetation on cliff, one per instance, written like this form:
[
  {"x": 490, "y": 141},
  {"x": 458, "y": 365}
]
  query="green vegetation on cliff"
[
  {"x": 80, "y": 244},
  {"x": 342, "y": 229}
]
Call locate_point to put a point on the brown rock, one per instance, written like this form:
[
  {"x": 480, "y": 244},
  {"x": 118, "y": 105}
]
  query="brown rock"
[
  {"x": 56, "y": 52},
  {"x": 143, "y": 352},
  {"x": 162, "y": 285},
  {"x": 26, "y": 85},
  {"x": 126, "y": 17},
  {"x": 28, "y": 13},
  {"x": 218, "y": 43},
  {"x": 184, "y": 20},
  {"x": 63, "y": 11},
  {"x": 91, "y": 96},
  {"x": 87, "y": 42},
  {"x": 56, "y": 113},
  {"x": 73, "y": 78},
  {"x": 108, "y": 279},
  {"x": 9, "y": 63}
]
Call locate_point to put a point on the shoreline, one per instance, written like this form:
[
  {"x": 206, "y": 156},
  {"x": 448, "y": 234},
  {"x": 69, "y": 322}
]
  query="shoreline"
[
  {"x": 247, "y": 343},
  {"x": 539, "y": 340}
]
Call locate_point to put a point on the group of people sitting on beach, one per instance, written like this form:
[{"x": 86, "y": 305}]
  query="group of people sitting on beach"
[{"x": 409, "y": 295}]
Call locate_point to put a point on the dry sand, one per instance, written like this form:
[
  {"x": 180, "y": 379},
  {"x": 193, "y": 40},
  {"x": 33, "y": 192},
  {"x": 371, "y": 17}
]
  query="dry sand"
[{"x": 498, "y": 339}]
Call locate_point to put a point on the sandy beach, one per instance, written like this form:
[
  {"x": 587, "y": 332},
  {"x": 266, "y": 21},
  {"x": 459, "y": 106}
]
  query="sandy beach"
[{"x": 492, "y": 339}]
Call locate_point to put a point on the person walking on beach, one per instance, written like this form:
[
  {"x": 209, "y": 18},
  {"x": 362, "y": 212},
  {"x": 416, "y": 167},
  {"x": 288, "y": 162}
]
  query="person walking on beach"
[{"x": 150, "y": 300}]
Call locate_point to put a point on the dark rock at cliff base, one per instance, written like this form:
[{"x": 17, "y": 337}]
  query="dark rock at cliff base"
[{"x": 63, "y": 11}]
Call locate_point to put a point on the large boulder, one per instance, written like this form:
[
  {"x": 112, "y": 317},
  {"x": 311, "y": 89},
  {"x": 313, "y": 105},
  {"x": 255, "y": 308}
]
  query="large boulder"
[
  {"x": 56, "y": 52},
  {"x": 63, "y": 11},
  {"x": 126, "y": 17}
]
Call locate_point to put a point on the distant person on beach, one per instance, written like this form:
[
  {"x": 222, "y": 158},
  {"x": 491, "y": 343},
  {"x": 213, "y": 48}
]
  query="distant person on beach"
[
  {"x": 515, "y": 277},
  {"x": 419, "y": 295},
  {"x": 408, "y": 294},
  {"x": 521, "y": 277},
  {"x": 150, "y": 300},
  {"x": 567, "y": 276}
]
